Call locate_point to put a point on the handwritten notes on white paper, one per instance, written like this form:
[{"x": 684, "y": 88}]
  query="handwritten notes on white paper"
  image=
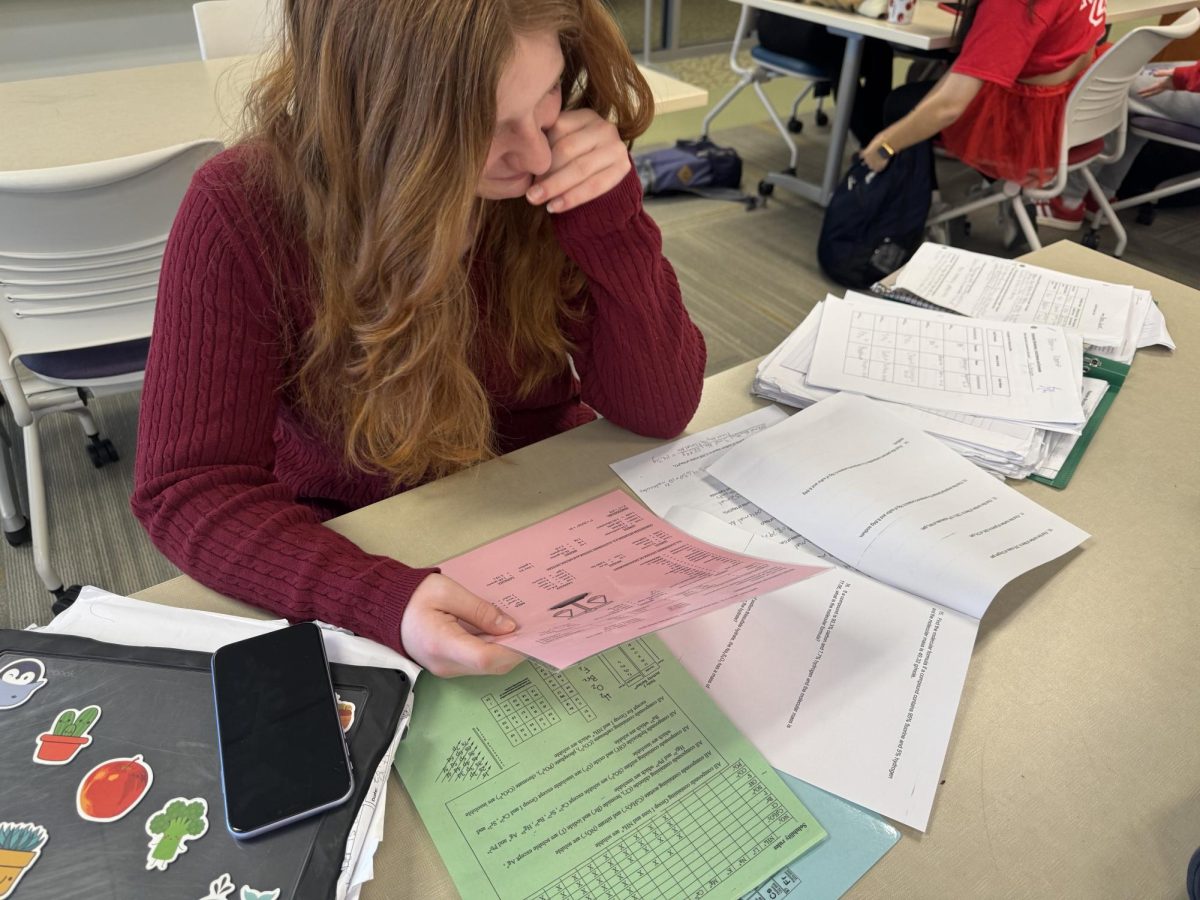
[
  {"x": 987, "y": 287},
  {"x": 943, "y": 361}
]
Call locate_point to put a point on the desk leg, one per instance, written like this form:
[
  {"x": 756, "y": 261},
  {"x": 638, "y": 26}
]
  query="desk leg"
[
  {"x": 672, "y": 9},
  {"x": 647, "y": 16},
  {"x": 847, "y": 88}
]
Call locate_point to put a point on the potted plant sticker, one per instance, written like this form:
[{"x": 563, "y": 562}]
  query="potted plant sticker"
[
  {"x": 20, "y": 846},
  {"x": 66, "y": 737}
]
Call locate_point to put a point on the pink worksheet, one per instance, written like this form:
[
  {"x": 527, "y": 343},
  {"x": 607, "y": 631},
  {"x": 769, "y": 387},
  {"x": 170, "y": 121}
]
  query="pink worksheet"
[{"x": 606, "y": 572}]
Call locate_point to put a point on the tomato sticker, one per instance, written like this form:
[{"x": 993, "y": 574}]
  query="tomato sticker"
[{"x": 110, "y": 790}]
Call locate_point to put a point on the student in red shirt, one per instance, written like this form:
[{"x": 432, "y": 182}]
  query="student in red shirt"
[
  {"x": 999, "y": 108},
  {"x": 432, "y": 226},
  {"x": 1165, "y": 92}
]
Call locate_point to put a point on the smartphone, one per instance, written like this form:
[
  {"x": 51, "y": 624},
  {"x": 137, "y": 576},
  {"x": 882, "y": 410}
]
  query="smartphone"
[{"x": 283, "y": 753}]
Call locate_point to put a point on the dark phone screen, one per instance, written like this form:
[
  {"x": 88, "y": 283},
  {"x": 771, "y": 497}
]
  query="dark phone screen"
[{"x": 282, "y": 752}]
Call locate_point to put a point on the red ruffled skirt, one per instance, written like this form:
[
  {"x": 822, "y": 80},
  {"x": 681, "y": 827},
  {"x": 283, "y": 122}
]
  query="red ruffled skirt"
[{"x": 1012, "y": 133}]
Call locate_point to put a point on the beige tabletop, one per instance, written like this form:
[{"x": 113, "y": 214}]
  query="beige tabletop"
[
  {"x": 99, "y": 115},
  {"x": 932, "y": 26},
  {"x": 1074, "y": 768}
]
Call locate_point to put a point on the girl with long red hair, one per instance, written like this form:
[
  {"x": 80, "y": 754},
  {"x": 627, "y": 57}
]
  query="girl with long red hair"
[{"x": 429, "y": 250}]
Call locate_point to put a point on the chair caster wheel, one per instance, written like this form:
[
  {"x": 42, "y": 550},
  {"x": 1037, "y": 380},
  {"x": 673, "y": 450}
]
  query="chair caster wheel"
[
  {"x": 101, "y": 452},
  {"x": 822, "y": 119},
  {"x": 64, "y": 597},
  {"x": 1146, "y": 213},
  {"x": 794, "y": 125},
  {"x": 18, "y": 537},
  {"x": 765, "y": 188},
  {"x": 1091, "y": 240}
]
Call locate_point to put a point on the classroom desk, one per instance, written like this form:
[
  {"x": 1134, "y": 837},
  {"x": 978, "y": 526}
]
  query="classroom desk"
[
  {"x": 931, "y": 29},
  {"x": 99, "y": 115},
  {"x": 1074, "y": 769}
]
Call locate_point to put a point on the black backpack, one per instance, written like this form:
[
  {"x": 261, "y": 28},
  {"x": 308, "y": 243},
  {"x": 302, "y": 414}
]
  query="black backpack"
[{"x": 876, "y": 221}]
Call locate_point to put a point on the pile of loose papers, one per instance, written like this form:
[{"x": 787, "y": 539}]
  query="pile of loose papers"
[
  {"x": 993, "y": 367},
  {"x": 849, "y": 680}
]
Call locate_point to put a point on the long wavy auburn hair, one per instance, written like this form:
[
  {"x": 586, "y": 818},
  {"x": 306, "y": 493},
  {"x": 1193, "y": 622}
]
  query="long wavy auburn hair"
[{"x": 377, "y": 116}]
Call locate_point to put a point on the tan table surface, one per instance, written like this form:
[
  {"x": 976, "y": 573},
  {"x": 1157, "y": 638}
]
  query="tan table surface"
[
  {"x": 1074, "y": 768},
  {"x": 99, "y": 115},
  {"x": 931, "y": 26}
]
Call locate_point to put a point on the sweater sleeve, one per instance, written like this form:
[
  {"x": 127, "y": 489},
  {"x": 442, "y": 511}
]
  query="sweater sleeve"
[
  {"x": 639, "y": 357},
  {"x": 204, "y": 486},
  {"x": 1187, "y": 78}
]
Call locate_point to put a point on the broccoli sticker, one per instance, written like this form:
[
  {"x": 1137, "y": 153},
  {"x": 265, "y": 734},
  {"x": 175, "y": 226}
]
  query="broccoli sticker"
[{"x": 172, "y": 827}]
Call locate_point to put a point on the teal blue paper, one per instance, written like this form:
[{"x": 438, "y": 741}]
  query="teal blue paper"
[{"x": 857, "y": 840}]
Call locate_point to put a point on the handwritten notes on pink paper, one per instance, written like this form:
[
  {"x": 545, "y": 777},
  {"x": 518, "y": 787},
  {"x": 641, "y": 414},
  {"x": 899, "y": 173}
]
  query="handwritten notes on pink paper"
[{"x": 606, "y": 572}]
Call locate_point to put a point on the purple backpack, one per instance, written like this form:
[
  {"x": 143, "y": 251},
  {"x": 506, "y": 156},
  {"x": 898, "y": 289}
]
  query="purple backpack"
[{"x": 693, "y": 167}]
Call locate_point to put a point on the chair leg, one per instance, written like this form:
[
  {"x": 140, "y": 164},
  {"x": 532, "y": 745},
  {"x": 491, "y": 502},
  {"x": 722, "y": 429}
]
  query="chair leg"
[
  {"x": 794, "y": 124},
  {"x": 100, "y": 450},
  {"x": 801, "y": 96},
  {"x": 86, "y": 420},
  {"x": 945, "y": 215},
  {"x": 38, "y": 517},
  {"x": 1027, "y": 226},
  {"x": 12, "y": 522},
  {"x": 1106, "y": 211},
  {"x": 743, "y": 82},
  {"x": 787, "y": 138}
]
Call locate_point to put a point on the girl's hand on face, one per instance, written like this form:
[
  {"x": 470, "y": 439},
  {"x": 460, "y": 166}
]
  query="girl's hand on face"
[
  {"x": 434, "y": 635},
  {"x": 587, "y": 159}
]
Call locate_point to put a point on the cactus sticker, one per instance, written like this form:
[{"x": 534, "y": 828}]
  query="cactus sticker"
[
  {"x": 20, "y": 846},
  {"x": 66, "y": 737},
  {"x": 170, "y": 829},
  {"x": 20, "y": 680}
]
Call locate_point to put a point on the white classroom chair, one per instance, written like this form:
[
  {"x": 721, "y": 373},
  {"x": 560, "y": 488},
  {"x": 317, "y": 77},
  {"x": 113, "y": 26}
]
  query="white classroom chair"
[
  {"x": 767, "y": 66},
  {"x": 1164, "y": 131},
  {"x": 1096, "y": 107},
  {"x": 80, "y": 252},
  {"x": 235, "y": 27}
]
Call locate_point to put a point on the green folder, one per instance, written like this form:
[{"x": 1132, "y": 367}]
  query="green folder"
[{"x": 1093, "y": 367}]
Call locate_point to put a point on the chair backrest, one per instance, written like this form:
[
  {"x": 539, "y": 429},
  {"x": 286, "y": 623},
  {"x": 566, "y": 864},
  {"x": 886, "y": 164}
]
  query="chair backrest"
[
  {"x": 81, "y": 247},
  {"x": 1098, "y": 102},
  {"x": 235, "y": 27}
]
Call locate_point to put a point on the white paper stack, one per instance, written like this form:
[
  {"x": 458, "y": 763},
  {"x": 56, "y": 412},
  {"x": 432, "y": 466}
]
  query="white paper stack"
[
  {"x": 1004, "y": 447},
  {"x": 989, "y": 362},
  {"x": 1113, "y": 319}
]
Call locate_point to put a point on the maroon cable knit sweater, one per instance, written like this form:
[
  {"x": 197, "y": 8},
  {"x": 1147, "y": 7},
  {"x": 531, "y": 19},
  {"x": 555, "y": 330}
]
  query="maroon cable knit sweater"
[{"x": 230, "y": 483}]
